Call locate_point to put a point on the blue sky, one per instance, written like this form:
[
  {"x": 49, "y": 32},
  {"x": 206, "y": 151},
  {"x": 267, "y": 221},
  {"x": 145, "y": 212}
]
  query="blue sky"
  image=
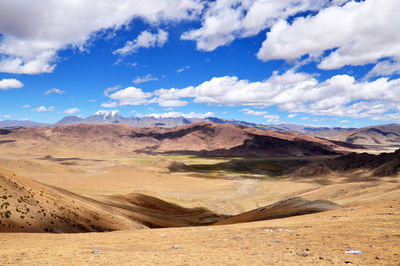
[{"x": 320, "y": 62}]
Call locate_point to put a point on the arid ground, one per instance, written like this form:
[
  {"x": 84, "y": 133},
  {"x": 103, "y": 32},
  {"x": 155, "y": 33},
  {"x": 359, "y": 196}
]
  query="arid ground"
[{"x": 369, "y": 220}]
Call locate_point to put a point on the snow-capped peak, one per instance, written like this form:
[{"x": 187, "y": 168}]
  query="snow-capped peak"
[{"x": 107, "y": 114}]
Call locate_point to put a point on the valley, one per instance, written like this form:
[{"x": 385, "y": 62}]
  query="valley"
[{"x": 94, "y": 178}]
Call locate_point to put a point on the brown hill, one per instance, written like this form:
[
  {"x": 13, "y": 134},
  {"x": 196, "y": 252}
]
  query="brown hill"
[
  {"x": 384, "y": 164},
  {"x": 286, "y": 208},
  {"x": 27, "y": 206},
  {"x": 201, "y": 138},
  {"x": 374, "y": 135}
]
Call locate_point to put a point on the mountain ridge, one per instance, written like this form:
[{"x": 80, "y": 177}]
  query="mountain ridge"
[{"x": 384, "y": 135}]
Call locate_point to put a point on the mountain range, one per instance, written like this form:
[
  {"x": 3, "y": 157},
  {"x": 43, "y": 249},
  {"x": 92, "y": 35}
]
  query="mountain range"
[
  {"x": 383, "y": 135},
  {"x": 203, "y": 138}
]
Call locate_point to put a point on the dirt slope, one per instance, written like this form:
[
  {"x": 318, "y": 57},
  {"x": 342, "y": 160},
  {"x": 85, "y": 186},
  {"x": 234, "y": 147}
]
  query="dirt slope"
[
  {"x": 286, "y": 208},
  {"x": 315, "y": 239},
  {"x": 26, "y": 206}
]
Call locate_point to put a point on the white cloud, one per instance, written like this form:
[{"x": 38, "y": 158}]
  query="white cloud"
[
  {"x": 109, "y": 104},
  {"x": 366, "y": 32},
  {"x": 292, "y": 115},
  {"x": 111, "y": 89},
  {"x": 182, "y": 69},
  {"x": 72, "y": 111},
  {"x": 178, "y": 114},
  {"x": 33, "y": 32},
  {"x": 92, "y": 100},
  {"x": 6, "y": 116},
  {"x": 130, "y": 96},
  {"x": 145, "y": 39},
  {"x": 168, "y": 98},
  {"x": 7, "y": 84},
  {"x": 272, "y": 118},
  {"x": 384, "y": 68},
  {"x": 341, "y": 95},
  {"x": 44, "y": 109},
  {"x": 252, "y": 112},
  {"x": 55, "y": 91},
  {"x": 143, "y": 79},
  {"x": 226, "y": 20},
  {"x": 26, "y": 106}
]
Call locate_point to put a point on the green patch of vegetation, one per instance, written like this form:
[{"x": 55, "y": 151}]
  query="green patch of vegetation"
[{"x": 240, "y": 168}]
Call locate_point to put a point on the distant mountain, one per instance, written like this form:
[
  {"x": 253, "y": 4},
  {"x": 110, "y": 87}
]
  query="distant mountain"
[
  {"x": 387, "y": 135},
  {"x": 104, "y": 116},
  {"x": 21, "y": 124},
  {"x": 208, "y": 139},
  {"x": 69, "y": 120},
  {"x": 113, "y": 117}
]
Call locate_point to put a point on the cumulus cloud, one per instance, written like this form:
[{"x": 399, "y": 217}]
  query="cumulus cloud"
[
  {"x": 143, "y": 79},
  {"x": 30, "y": 40},
  {"x": 72, "y": 111},
  {"x": 55, "y": 91},
  {"x": 178, "y": 114},
  {"x": 292, "y": 115},
  {"x": 25, "y": 106},
  {"x": 168, "y": 98},
  {"x": 130, "y": 96},
  {"x": 7, "y": 84},
  {"x": 340, "y": 95},
  {"x": 226, "y": 20},
  {"x": 366, "y": 32},
  {"x": 44, "y": 109},
  {"x": 145, "y": 39}
]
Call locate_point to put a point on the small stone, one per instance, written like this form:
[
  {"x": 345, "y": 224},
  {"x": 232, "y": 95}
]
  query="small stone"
[
  {"x": 175, "y": 246},
  {"x": 348, "y": 262},
  {"x": 321, "y": 258}
]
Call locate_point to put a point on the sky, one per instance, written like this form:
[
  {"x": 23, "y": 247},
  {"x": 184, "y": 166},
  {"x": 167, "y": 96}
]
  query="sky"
[{"x": 311, "y": 62}]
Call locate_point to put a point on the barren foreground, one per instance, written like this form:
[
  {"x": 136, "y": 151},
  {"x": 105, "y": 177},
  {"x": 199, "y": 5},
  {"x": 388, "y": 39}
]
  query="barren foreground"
[
  {"x": 320, "y": 239},
  {"x": 369, "y": 220}
]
